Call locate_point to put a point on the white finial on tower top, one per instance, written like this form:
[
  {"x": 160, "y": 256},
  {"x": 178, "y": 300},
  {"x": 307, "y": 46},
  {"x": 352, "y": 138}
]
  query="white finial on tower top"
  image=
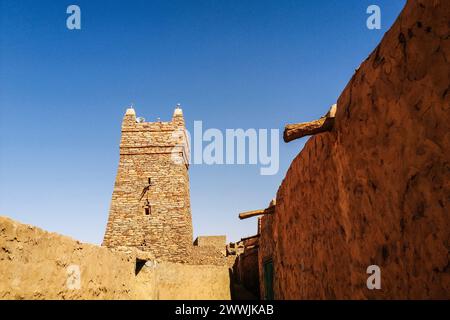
[
  {"x": 178, "y": 111},
  {"x": 130, "y": 110}
]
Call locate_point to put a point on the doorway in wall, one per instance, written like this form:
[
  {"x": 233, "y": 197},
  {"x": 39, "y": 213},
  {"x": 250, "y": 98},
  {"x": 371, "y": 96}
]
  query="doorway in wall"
[{"x": 268, "y": 279}]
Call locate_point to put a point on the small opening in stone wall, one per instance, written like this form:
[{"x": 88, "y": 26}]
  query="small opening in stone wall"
[
  {"x": 139, "y": 265},
  {"x": 147, "y": 210}
]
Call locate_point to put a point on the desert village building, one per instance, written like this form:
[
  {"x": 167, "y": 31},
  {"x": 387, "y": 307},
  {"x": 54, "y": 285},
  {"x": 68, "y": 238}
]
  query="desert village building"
[
  {"x": 150, "y": 206},
  {"x": 371, "y": 187}
]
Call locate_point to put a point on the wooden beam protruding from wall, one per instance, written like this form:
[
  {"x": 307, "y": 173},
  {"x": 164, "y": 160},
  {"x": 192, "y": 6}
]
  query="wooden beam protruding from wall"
[
  {"x": 269, "y": 210},
  {"x": 299, "y": 130}
]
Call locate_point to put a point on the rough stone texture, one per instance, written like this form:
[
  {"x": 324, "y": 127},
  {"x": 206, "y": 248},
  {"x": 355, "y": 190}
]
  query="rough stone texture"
[
  {"x": 218, "y": 242},
  {"x": 34, "y": 265},
  {"x": 207, "y": 255},
  {"x": 376, "y": 189},
  {"x": 159, "y": 151}
]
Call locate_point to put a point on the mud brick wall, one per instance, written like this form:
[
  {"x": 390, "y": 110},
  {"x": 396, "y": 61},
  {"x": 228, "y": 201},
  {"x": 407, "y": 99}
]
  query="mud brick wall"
[
  {"x": 246, "y": 270},
  {"x": 35, "y": 264},
  {"x": 376, "y": 189},
  {"x": 265, "y": 250},
  {"x": 180, "y": 281},
  {"x": 147, "y": 150}
]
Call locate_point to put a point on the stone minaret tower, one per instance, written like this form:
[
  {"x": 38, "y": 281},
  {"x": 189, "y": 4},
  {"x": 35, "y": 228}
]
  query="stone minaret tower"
[{"x": 150, "y": 206}]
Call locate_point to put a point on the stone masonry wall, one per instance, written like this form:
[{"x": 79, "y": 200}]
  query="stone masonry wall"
[
  {"x": 218, "y": 242},
  {"x": 207, "y": 255},
  {"x": 147, "y": 150},
  {"x": 376, "y": 189}
]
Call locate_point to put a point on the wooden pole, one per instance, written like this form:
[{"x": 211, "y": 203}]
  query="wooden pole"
[
  {"x": 253, "y": 213},
  {"x": 299, "y": 130}
]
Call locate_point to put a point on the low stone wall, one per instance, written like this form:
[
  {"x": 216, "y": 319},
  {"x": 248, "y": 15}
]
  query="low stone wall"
[
  {"x": 35, "y": 264},
  {"x": 265, "y": 250},
  {"x": 176, "y": 281}
]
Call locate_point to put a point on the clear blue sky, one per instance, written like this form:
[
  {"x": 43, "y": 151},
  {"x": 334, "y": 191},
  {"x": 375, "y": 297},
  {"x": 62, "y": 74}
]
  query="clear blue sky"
[{"x": 232, "y": 64}]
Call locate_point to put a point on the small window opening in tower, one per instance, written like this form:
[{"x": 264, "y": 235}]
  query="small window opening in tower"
[{"x": 147, "y": 208}]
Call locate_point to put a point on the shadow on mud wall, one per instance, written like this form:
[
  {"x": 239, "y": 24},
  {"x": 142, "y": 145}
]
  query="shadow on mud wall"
[{"x": 244, "y": 285}]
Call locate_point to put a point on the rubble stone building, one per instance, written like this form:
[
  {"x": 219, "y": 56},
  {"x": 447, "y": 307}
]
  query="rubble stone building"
[
  {"x": 218, "y": 242},
  {"x": 150, "y": 207}
]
